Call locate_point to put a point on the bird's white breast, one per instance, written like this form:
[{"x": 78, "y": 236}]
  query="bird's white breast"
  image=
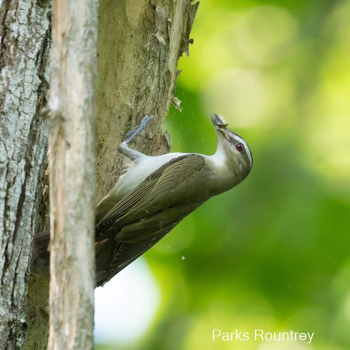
[{"x": 140, "y": 169}]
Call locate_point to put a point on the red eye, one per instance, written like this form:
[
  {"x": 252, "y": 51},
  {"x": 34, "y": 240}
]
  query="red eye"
[{"x": 239, "y": 147}]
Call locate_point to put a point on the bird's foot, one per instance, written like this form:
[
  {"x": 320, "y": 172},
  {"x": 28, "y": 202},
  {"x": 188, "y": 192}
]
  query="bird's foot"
[{"x": 132, "y": 133}]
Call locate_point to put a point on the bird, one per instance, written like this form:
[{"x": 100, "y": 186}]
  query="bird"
[{"x": 156, "y": 192}]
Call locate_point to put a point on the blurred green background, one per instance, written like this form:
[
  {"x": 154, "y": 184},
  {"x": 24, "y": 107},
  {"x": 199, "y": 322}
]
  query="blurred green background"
[{"x": 274, "y": 252}]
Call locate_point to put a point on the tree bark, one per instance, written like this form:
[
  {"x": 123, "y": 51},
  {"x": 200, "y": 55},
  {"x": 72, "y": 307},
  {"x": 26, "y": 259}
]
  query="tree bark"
[
  {"x": 24, "y": 52},
  {"x": 72, "y": 174},
  {"x": 140, "y": 42},
  {"x": 139, "y": 45}
]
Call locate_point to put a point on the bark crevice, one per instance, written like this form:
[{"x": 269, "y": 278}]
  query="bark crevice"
[{"x": 138, "y": 52}]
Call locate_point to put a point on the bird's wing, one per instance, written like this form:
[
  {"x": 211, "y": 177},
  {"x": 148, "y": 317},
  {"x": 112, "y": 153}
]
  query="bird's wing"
[
  {"x": 135, "y": 239},
  {"x": 157, "y": 192},
  {"x": 177, "y": 185},
  {"x": 143, "y": 217}
]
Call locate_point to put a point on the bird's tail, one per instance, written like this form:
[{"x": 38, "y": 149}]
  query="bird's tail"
[{"x": 41, "y": 245}]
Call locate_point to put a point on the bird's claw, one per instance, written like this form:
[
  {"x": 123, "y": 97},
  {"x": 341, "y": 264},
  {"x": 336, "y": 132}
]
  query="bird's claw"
[{"x": 132, "y": 133}]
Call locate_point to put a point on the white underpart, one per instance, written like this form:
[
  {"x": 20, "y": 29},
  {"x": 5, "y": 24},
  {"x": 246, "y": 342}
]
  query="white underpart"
[
  {"x": 219, "y": 158},
  {"x": 140, "y": 169}
]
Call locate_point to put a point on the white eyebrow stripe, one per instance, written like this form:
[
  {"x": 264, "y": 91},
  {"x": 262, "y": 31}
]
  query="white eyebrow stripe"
[
  {"x": 246, "y": 147},
  {"x": 249, "y": 154},
  {"x": 240, "y": 140}
]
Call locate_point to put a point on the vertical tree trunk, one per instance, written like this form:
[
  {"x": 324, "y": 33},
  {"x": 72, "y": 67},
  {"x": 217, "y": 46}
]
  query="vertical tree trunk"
[
  {"x": 24, "y": 52},
  {"x": 139, "y": 44},
  {"x": 72, "y": 169}
]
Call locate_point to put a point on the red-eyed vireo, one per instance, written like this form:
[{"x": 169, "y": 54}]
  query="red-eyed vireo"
[{"x": 157, "y": 192}]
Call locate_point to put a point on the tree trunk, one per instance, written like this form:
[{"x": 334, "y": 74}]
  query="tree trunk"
[
  {"x": 139, "y": 45},
  {"x": 140, "y": 42},
  {"x": 72, "y": 174},
  {"x": 24, "y": 52}
]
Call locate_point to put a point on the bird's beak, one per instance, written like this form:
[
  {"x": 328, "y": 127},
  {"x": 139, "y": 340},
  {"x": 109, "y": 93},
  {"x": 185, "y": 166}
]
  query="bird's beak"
[{"x": 220, "y": 125}]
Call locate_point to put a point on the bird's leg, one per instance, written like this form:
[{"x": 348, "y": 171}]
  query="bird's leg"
[
  {"x": 124, "y": 148},
  {"x": 132, "y": 133}
]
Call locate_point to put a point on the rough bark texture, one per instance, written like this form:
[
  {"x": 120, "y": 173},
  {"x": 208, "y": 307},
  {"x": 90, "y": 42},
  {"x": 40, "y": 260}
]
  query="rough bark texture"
[
  {"x": 24, "y": 52},
  {"x": 140, "y": 42},
  {"x": 72, "y": 168}
]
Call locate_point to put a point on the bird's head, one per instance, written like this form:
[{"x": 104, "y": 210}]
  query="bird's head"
[{"x": 237, "y": 153}]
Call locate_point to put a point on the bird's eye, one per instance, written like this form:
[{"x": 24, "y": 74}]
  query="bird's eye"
[{"x": 239, "y": 147}]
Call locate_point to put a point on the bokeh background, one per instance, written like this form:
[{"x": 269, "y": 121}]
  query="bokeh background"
[{"x": 274, "y": 253}]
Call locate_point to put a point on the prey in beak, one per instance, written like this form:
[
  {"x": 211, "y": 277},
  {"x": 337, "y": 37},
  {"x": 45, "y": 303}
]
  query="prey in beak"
[{"x": 220, "y": 125}]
